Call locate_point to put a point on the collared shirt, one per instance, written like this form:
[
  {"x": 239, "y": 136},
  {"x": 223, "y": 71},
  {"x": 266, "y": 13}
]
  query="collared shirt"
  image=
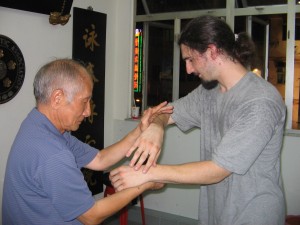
[{"x": 43, "y": 181}]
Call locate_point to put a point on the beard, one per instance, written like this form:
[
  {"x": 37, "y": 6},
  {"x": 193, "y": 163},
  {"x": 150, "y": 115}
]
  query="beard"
[{"x": 209, "y": 84}]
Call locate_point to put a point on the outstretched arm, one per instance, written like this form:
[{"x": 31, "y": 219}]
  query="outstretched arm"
[
  {"x": 148, "y": 145},
  {"x": 114, "y": 153},
  {"x": 205, "y": 172}
]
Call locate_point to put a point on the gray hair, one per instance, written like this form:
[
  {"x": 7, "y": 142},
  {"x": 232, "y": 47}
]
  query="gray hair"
[{"x": 64, "y": 74}]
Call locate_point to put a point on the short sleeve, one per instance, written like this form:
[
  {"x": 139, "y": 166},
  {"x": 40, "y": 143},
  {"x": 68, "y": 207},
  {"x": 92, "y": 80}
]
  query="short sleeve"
[
  {"x": 83, "y": 152},
  {"x": 254, "y": 125},
  {"x": 187, "y": 110},
  {"x": 65, "y": 186}
]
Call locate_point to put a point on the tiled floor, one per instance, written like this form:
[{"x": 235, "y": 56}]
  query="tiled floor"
[{"x": 152, "y": 218}]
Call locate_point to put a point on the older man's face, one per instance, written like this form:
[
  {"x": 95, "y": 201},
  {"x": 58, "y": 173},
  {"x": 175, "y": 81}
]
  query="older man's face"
[{"x": 71, "y": 114}]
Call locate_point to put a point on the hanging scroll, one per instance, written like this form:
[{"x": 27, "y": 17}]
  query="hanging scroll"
[{"x": 89, "y": 37}]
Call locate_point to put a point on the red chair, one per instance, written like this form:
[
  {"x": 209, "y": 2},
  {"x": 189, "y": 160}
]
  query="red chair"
[{"x": 109, "y": 190}]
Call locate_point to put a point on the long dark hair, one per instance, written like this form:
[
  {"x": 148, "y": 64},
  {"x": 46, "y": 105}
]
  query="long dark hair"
[{"x": 205, "y": 30}]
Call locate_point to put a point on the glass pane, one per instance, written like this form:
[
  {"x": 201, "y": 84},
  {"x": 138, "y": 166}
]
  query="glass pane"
[
  {"x": 160, "y": 62},
  {"x": 277, "y": 52},
  {"x": 259, "y": 32},
  {"x": 296, "y": 108}
]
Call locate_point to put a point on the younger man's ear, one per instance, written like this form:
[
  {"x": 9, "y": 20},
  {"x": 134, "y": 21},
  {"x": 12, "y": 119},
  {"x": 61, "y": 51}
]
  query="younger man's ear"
[{"x": 213, "y": 51}]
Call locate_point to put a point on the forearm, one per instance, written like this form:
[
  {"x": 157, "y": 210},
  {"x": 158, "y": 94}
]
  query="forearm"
[
  {"x": 107, "y": 206},
  {"x": 113, "y": 153},
  {"x": 205, "y": 172}
]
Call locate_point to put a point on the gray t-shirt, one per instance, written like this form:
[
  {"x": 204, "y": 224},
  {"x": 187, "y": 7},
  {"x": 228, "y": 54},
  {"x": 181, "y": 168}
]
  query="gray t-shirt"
[{"x": 241, "y": 131}]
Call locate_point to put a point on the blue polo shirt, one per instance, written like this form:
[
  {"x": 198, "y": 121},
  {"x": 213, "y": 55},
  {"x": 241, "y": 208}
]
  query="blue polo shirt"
[{"x": 43, "y": 181}]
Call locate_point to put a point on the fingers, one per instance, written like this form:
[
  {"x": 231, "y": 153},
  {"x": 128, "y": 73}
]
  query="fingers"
[
  {"x": 163, "y": 108},
  {"x": 140, "y": 156},
  {"x": 146, "y": 116},
  {"x": 158, "y": 107},
  {"x": 137, "y": 157},
  {"x": 144, "y": 157},
  {"x": 115, "y": 179},
  {"x": 132, "y": 149},
  {"x": 157, "y": 186},
  {"x": 126, "y": 177},
  {"x": 147, "y": 146},
  {"x": 118, "y": 186},
  {"x": 146, "y": 149},
  {"x": 150, "y": 162},
  {"x": 166, "y": 110},
  {"x": 155, "y": 159}
]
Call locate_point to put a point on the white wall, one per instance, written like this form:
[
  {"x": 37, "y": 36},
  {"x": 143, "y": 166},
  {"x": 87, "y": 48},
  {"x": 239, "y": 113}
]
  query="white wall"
[
  {"x": 290, "y": 173},
  {"x": 40, "y": 42}
]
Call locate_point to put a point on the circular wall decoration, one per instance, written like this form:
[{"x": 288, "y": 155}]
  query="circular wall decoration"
[{"x": 12, "y": 69}]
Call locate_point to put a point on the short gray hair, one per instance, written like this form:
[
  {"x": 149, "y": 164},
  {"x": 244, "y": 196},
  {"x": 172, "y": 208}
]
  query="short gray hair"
[{"x": 64, "y": 74}]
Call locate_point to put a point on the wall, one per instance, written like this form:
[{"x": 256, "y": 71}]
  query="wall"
[
  {"x": 41, "y": 42},
  {"x": 290, "y": 173}
]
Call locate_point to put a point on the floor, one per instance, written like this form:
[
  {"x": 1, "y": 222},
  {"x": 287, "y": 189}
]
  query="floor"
[
  {"x": 159, "y": 218},
  {"x": 153, "y": 217}
]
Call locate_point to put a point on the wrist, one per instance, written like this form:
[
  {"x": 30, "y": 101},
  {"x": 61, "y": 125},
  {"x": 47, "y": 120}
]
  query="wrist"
[
  {"x": 161, "y": 121},
  {"x": 147, "y": 186},
  {"x": 135, "y": 133}
]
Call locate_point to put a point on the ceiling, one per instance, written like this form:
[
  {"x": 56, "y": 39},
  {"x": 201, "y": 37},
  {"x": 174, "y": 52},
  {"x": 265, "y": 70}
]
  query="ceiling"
[{"x": 162, "y": 6}]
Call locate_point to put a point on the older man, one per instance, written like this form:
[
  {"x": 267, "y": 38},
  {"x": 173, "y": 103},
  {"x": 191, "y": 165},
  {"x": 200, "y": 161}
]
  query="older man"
[{"x": 43, "y": 182}]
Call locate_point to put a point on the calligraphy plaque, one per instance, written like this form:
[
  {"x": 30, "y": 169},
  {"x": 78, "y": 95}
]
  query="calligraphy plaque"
[{"x": 89, "y": 41}]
